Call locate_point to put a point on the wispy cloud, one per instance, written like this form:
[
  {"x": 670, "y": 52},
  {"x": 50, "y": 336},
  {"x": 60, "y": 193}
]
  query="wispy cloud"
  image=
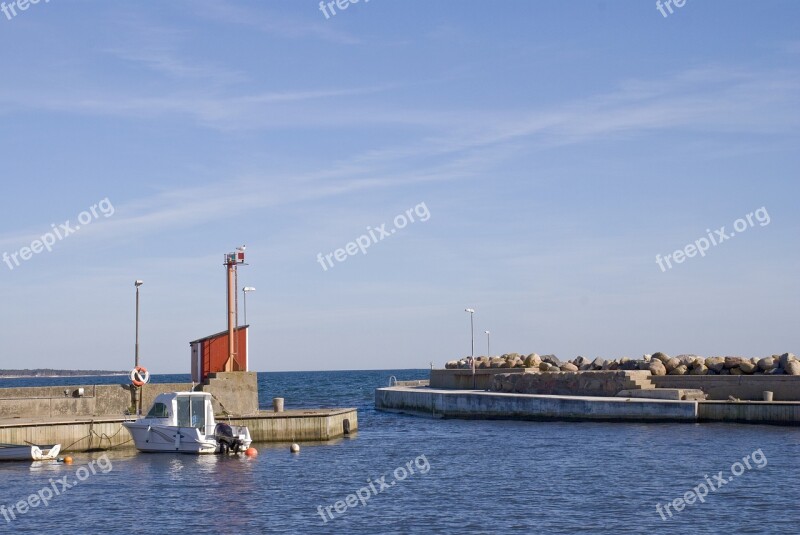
[
  {"x": 270, "y": 21},
  {"x": 711, "y": 100}
]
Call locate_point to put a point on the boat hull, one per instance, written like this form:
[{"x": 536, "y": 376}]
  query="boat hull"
[
  {"x": 14, "y": 452},
  {"x": 169, "y": 439}
]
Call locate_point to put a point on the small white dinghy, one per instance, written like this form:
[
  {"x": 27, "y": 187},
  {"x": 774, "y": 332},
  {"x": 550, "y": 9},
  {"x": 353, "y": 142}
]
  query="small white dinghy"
[
  {"x": 183, "y": 422},
  {"x": 28, "y": 452}
]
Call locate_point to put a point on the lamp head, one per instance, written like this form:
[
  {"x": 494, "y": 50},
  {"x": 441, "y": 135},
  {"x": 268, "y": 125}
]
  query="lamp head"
[{"x": 138, "y": 283}]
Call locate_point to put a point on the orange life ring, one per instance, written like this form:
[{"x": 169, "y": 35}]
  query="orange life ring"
[{"x": 140, "y": 376}]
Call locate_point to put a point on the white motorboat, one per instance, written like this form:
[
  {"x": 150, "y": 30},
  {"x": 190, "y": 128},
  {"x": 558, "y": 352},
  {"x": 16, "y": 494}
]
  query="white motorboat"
[
  {"x": 29, "y": 452},
  {"x": 183, "y": 422}
]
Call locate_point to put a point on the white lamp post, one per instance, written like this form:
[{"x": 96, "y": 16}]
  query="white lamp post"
[
  {"x": 137, "y": 403},
  {"x": 472, "y": 334},
  {"x": 488, "y": 346}
]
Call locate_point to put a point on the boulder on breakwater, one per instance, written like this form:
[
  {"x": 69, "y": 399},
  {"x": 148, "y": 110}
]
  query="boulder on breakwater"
[{"x": 657, "y": 364}]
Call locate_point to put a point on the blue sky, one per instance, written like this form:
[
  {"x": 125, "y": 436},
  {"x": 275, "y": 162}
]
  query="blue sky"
[{"x": 557, "y": 146}]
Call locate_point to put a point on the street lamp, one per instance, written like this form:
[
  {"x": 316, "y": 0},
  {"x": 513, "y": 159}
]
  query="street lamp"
[
  {"x": 137, "y": 402},
  {"x": 245, "y": 291},
  {"x": 472, "y": 334},
  {"x": 137, "y": 283},
  {"x": 488, "y": 346}
]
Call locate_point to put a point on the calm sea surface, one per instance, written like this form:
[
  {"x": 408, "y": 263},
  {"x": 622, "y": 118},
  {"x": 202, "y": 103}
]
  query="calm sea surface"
[{"x": 479, "y": 476}]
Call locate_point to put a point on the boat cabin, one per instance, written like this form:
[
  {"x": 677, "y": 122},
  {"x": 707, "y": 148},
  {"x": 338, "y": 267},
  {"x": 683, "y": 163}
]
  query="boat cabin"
[{"x": 183, "y": 409}]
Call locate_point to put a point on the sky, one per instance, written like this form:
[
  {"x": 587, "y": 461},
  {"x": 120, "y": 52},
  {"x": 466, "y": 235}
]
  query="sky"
[{"x": 536, "y": 161}]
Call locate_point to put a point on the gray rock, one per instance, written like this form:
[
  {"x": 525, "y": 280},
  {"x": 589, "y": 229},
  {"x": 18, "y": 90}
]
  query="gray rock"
[
  {"x": 451, "y": 364},
  {"x": 736, "y": 371},
  {"x": 725, "y": 371},
  {"x": 734, "y": 362},
  {"x": 715, "y": 363},
  {"x": 661, "y": 356},
  {"x": 776, "y": 371},
  {"x": 597, "y": 363},
  {"x": 767, "y": 363},
  {"x": 552, "y": 359},
  {"x": 679, "y": 370},
  {"x": 793, "y": 368},
  {"x": 785, "y": 359},
  {"x": 544, "y": 366},
  {"x": 533, "y": 360},
  {"x": 699, "y": 370},
  {"x": 672, "y": 363},
  {"x": 568, "y": 367},
  {"x": 657, "y": 367},
  {"x": 748, "y": 367}
]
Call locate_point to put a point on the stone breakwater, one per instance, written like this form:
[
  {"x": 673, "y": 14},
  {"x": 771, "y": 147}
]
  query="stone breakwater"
[
  {"x": 655, "y": 364},
  {"x": 594, "y": 383}
]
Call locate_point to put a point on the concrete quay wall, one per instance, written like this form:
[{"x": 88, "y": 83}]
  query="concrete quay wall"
[
  {"x": 97, "y": 400},
  {"x": 459, "y": 379},
  {"x": 746, "y": 387},
  {"x": 235, "y": 393},
  {"x": 465, "y": 404},
  {"x": 439, "y": 403},
  {"x": 298, "y": 425},
  {"x": 80, "y": 435},
  {"x": 588, "y": 383}
]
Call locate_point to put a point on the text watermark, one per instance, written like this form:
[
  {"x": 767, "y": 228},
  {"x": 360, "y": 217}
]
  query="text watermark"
[
  {"x": 326, "y": 6},
  {"x": 56, "y": 488},
  {"x": 60, "y": 232},
  {"x": 10, "y": 9},
  {"x": 362, "y": 495},
  {"x": 668, "y": 5},
  {"x": 374, "y": 235},
  {"x": 700, "y": 492},
  {"x": 702, "y": 245}
]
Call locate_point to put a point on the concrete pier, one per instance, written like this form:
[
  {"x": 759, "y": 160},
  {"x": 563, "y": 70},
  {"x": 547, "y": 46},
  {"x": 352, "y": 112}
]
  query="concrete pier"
[
  {"x": 89, "y": 417},
  {"x": 475, "y": 404},
  {"x": 103, "y": 433}
]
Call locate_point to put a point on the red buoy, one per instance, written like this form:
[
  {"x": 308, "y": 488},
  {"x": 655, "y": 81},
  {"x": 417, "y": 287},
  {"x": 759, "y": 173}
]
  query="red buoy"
[{"x": 251, "y": 452}]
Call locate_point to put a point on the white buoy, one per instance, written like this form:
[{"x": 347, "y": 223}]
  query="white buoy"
[{"x": 295, "y": 448}]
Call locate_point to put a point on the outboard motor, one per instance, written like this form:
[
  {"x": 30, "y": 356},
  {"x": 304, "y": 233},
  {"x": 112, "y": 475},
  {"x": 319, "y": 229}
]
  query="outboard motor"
[{"x": 225, "y": 439}]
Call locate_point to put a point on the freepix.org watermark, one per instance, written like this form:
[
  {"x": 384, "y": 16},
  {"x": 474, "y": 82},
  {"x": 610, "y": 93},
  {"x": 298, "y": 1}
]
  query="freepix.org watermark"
[
  {"x": 667, "y": 6},
  {"x": 373, "y": 236},
  {"x": 56, "y": 488},
  {"x": 326, "y": 6},
  {"x": 362, "y": 495},
  {"x": 10, "y": 9},
  {"x": 60, "y": 232},
  {"x": 702, "y": 245},
  {"x": 699, "y": 493}
]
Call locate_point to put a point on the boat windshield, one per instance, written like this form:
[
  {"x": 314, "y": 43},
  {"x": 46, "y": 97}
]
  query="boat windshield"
[
  {"x": 158, "y": 410},
  {"x": 192, "y": 412}
]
